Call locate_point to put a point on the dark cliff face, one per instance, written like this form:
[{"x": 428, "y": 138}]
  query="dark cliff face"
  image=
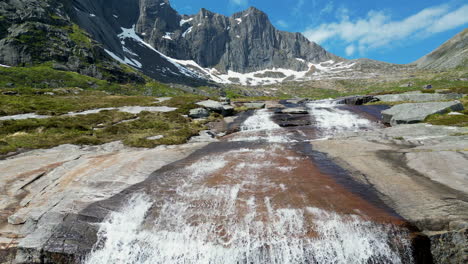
[{"x": 244, "y": 42}]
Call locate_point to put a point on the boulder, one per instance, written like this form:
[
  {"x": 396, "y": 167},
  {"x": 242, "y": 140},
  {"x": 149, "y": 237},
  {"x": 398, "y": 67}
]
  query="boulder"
[
  {"x": 199, "y": 113},
  {"x": 295, "y": 110},
  {"x": 212, "y": 105},
  {"x": 227, "y": 110},
  {"x": 427, "y": 86},
  {"x": 416, "y": 112},
  {"x": 255, "y": 105},
  {"x": 418, "y": 97}
]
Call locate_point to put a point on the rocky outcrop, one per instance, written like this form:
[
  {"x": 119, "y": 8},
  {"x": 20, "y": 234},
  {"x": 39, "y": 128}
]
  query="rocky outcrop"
[
  {"x": 357, "y": 100},
  {"x": 418, "y": 97},
  {"x": 452, "y": 54},
  {"x": 34, "y": 32},
  {"x": 42, "y": 190},
  {"x": 416, "y": 112},
  {"x": 214, "y": 106},
  {"x": 424, "y": 190},
  {"x": 244, "y": 42}
]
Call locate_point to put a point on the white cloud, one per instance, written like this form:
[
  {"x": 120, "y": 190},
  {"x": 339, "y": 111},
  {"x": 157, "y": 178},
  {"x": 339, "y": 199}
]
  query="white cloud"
[
  {"x": 378, "y": 29},
  {"x": 281, "y": 23},
  {"x": 451, "y": 20},
  {"x": 350, "y": 50},
  {"x": 239, "y": 2}
]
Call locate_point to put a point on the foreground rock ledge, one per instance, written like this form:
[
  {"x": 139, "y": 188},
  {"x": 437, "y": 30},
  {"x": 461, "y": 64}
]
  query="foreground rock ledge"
[
  {"x": 40, "y": 189},
  {"x": 420, "y": 171}
]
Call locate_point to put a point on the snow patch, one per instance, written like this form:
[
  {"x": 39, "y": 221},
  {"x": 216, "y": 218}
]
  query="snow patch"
[
  {"x": 5, "y": 66},
  {"x": 168, "y": 35},
  {"x": 92, "y": 15},
  {"x": 187, "y": 32},
  {"x": 183, "y": 21},
  {"x": 239, "y": 20}
]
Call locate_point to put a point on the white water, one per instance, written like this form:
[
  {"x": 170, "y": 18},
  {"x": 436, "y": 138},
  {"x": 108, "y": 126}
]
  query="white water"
[
  {"x": 332, "y": 121},
  {"x": 235, "y": 218},
  {"x": 260, "y": 127}
]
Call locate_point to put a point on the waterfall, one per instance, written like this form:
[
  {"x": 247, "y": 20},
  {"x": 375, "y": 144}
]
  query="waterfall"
[
  {"x": 331, "y": 120},
  {"x": 254, "y": 204}
]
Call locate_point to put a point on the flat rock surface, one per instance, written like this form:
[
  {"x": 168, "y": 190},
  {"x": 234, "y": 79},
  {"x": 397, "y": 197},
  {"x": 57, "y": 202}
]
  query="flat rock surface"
[
  {"x": 420, "y": 170},
  {"x": 211, "y": 105},
  {"x": 417, "y": 112},
  {"x": 418, "y": 97},
  {"x": 39, "y": 188}
]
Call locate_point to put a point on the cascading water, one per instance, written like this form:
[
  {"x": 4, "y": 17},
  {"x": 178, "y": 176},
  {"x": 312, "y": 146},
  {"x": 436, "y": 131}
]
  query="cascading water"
[
  {"x": 259, "y": 202},
  {"x": 331, "y": 120}
]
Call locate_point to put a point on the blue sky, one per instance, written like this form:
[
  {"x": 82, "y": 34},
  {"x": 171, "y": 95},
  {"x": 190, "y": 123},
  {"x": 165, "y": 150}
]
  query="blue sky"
[{"x": 397, "y": 31}]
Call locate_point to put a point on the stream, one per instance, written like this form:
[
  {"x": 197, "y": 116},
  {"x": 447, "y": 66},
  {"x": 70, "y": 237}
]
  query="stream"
[{"x": 260, "y": 195}]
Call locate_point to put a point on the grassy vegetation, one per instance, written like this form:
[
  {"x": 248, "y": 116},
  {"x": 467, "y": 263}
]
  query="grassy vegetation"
[
  {"x": 58, "y": 105},
  {"x": 103, "y": 127},
  {"x": 28, "y": 80},
  {"x": 451, "y": 120},
  {"x": 332, "y": 88}
]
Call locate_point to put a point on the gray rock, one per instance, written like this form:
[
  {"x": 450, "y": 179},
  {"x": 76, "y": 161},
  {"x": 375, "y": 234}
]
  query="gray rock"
[
  {"x": 199, "y": 113},
  {"x": 255, "y": 105},
  {"x": 417, "y": 112},
  {"x": 227, "y": 110},
  {"x": 295, "y": 110},
  {"x": 418, "y": 97},
  {"x": 212, "y": 105}
]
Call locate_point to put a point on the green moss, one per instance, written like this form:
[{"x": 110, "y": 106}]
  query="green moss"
[
  {"x": 79, "y": 36},
  {"x": 448, "y": 120}
]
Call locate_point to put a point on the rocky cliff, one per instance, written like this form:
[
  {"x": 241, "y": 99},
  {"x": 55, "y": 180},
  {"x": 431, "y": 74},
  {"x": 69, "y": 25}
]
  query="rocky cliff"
[
  {"x": 36, "y": 32},
  {"x": 244, "y": 42}
]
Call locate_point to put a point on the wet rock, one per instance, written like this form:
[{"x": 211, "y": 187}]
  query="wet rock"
[
  {"x": 427, "y": 86},
  {"x": 59, "y": 184},
  {"x": 450, "y": 247},
  {"x": 204, "y": 136},
  {"x": 295, "y": 110},
  {"x": 199, "y": 113},
  {"x": 416, "y": 112},
  {"x": 417, "y": 97},
  {"x": 357, "y": 100}
]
